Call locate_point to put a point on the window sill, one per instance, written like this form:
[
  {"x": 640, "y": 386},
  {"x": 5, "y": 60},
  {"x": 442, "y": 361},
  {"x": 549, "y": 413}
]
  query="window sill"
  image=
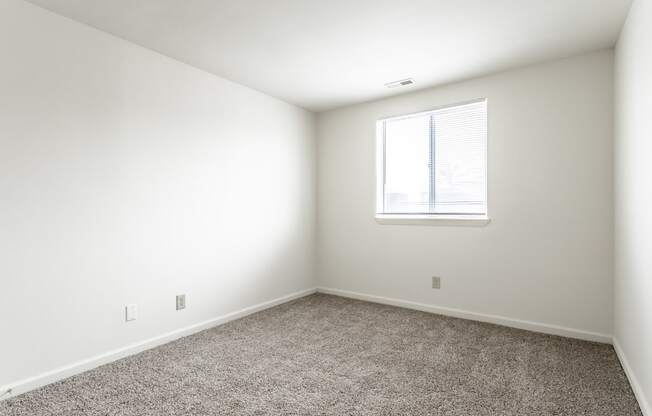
[{"x": 442, "y": 220}]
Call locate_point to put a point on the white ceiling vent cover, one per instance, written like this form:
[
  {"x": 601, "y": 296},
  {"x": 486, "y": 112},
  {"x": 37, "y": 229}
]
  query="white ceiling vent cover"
[{"x": 400, "y": 83}]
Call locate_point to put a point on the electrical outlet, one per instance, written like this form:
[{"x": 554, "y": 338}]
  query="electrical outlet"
[
  {"x": 131, "y": 312},
  {"x": 436, "y": 282},
  {"x": 181, "y": 302}
]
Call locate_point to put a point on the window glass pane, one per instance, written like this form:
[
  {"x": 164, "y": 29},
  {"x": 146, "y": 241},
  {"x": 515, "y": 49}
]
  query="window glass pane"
[
  {"x": 460, "y": 157},
  {"x": 407, "y": 173},
  {"x": 435, "y": 162}
]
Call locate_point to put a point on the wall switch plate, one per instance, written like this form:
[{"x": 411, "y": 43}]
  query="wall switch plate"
[
  {"x": 181, "y": 302},
  {"x": 131, "y": 312},
  {"x": 436, "y": 282}
]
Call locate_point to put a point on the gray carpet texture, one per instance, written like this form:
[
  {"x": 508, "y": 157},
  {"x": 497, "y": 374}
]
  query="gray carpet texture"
[{"x": 327, "y": 355}]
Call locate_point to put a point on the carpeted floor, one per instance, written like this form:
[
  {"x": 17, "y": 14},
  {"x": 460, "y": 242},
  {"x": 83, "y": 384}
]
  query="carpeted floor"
[{"x": 326, "y": 355}]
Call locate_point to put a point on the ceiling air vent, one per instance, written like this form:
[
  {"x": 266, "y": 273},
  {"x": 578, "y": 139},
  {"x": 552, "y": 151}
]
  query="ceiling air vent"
[{"x": 400, "y": 83}]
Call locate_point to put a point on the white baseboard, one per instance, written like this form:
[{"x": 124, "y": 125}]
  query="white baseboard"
[
  {"x": 61, "y": 373},
  {"x": 643, "y": 401},
  {"x": 475, "y": 316}
]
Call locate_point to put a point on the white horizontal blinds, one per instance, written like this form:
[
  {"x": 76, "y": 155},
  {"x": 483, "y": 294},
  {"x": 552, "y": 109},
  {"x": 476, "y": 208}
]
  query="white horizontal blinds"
[
  {"x": 435, "y": 162},
  {"x": 460, "y": 156},
  {"x": 407, "y": 149}
]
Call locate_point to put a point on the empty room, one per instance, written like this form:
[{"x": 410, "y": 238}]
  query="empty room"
[{"x": 343, "y": 207}]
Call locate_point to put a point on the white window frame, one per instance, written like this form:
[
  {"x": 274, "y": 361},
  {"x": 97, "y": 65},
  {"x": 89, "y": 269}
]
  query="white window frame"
[{"x": 425, "y": 219}]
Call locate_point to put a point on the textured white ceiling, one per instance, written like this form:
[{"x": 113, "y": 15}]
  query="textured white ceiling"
[{"x": 321, "y": 54}]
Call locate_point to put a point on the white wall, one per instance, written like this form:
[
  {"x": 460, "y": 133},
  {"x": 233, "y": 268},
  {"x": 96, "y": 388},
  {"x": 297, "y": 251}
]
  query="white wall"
[
  {"x": 633, "y": 200},
  {"x": 546, "y": 256},
  {"x": 128, "y": 177}
]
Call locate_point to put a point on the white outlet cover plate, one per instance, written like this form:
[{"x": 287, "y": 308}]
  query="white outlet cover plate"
[
  {"x": 181, "y": 302},
  {"x": 131, "y": 312}
]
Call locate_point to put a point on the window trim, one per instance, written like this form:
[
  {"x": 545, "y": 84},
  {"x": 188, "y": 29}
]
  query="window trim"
[
  {"x": 421, "y": 218},
  {"x": 469, "y": 220}
]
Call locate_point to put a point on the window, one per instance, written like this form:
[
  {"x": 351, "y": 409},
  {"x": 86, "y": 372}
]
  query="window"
[{"x": 434, "y": 163}]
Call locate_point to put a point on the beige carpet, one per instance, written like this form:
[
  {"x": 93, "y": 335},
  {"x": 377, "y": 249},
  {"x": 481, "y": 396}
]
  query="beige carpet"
[{"x": 325, "y": 355}]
